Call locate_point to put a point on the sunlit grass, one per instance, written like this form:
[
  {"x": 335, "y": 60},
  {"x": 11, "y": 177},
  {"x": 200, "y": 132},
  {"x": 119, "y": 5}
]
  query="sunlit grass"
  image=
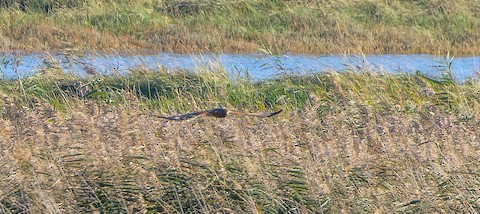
[
  {"x": 360, "y": 27},
  {"x": 346, "y": 142}
]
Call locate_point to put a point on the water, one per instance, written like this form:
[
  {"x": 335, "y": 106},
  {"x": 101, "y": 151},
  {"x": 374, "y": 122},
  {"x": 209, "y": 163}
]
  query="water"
[{"x": 258, "y": 66}]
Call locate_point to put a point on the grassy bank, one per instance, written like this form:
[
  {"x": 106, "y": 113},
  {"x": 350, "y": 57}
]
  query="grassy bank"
[
  {"x": 346, "y": 142},
  {"x": 428, "y": 26}
]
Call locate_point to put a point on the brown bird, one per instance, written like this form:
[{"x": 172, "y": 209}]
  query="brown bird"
[{"x": 219, "y": 113}]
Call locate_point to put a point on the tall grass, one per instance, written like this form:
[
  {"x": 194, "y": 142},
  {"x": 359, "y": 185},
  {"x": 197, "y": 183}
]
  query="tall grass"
[
  {"x": 346, "y": 142},
  {"x": 429, "y": 26}
]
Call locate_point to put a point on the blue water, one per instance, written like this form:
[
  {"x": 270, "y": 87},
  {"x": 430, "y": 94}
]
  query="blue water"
[{"x": 258, "y": 66}]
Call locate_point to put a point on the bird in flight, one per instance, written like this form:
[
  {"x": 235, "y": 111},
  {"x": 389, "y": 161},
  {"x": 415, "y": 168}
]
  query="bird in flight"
[{"x": 219, "y": 113}]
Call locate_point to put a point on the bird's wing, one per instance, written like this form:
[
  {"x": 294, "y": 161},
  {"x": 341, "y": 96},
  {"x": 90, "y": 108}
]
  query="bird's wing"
[
  {"x": 259, "y": 114},
  {"x": 185, "y": 116}
]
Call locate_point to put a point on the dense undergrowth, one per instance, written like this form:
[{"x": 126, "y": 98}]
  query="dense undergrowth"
[
  {"x": 346, "y": 142},
  {"x": 347, "y": 26}
]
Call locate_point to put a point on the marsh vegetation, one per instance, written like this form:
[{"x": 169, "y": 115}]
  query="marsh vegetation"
[
  {"x": 346, "y": 142},
  {"x": 320, "y": 27},
  {"x": 355, "y": 141}
]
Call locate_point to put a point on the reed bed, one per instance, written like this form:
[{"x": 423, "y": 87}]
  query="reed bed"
[
  {"x": 355, "y": 141},
  {"x": 318, "y": 27}
]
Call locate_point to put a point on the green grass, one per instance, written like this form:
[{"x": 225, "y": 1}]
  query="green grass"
[
  {"x": 346, "y": 142},
  {"x": 186, "y": 91},
  {"x": 431, "y": 26},
  {"x": 211, "y": 87}
]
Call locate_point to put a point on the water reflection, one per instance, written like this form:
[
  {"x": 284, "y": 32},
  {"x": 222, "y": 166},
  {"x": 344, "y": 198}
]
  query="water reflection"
[{"x": 258, "y": 66}]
